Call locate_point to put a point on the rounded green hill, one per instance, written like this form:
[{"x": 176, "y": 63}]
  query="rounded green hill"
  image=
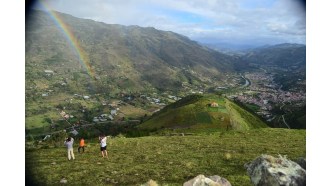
[{"x": 203, "y": 112}]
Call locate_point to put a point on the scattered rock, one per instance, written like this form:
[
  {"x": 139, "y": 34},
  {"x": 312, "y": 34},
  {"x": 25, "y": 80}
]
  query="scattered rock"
[
  {"x": 53, "y": 163},
  {"x": 99, "y": 163},
  {"x": 63, "y": 180},
  {"x": 150, "y": 183},
  {"x": 108, "y": 180},
  {"x": 268, "y": 170},
  {"x": 222, "y": 181},
  {"x": 201, "y": 180}
]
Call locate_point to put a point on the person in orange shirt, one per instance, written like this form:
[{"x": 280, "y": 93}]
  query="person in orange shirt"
[{"x": 81, "y": 145}]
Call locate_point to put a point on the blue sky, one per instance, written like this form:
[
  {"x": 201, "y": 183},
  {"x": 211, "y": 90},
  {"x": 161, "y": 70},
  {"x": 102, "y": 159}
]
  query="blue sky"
[{"x": 241, "y": 22}]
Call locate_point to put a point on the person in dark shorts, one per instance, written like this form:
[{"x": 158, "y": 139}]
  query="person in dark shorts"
[
  {"x": 81, "y": 145},
  {"x": 103, "y": 144}
]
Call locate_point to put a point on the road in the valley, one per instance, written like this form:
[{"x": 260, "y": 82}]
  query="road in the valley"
[
  {"x": 285, "y": 122},
  {"x": 247, "y": 82}
]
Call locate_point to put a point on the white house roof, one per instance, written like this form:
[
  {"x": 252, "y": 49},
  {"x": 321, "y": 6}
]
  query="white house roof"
[{"x": 49, "y": 71}]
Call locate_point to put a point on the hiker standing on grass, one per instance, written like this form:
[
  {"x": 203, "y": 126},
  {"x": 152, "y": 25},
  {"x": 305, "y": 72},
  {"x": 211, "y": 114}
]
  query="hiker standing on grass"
[
  {"x": 81, "y": 145},
  {"x": 103, "y": 144},
  {"x": 69, "y": 145}
]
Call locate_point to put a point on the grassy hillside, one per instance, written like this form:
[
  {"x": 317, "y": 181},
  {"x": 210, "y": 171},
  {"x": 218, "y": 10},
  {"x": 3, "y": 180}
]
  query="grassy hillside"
[
  {"x": 286, "y": 61},
  {"x": 118, "y": 59},
  {"x": 169, "y": 160},
  {"x": 283, "y": 55},
  {"x": 195, "y": 112},
  {"x": 123, "y": 57}
]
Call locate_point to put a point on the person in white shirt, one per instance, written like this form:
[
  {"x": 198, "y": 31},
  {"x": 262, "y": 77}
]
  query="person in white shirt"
[
  {"x": 69, "y": 145},
  {"x": 103, "y": 144}
]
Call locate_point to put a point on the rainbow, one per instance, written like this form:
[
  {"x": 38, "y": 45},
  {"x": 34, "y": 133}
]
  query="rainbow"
[{"x": 83, "y": 57}]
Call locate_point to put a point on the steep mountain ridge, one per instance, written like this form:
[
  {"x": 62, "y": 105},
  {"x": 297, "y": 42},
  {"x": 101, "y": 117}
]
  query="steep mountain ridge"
[
  {"x": 287, "y": 61},
  {"x": 120, "y": 62},
  {"x": 122, "y": 55},
  {"x": 284, "y": 55}
]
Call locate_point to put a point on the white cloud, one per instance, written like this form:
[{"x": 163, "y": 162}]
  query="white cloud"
[{"x": 235, "y": 20}]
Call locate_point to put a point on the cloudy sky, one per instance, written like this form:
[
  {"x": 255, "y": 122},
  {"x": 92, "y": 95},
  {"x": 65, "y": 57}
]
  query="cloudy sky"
[{"x": 243, "y": 22}]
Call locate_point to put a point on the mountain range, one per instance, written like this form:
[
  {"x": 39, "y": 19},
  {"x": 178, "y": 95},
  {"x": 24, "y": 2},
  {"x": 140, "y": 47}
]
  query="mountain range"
[
  {"x": 168, "y": 105},
  {"x": 68, "y": 57},
  {"x": 122, "y": 57},
  {"x": 283, "y": 55}
]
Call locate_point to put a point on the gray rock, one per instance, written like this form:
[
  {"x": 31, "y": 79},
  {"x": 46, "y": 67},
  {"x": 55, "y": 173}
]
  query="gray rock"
[
  {"x": 201, "y": 180},
  {"x": 302, "y": 162},
  {"x": 109, "y": 181},
  {"x": 268, "y": 170},
  {"x": 222, "y": 181}
]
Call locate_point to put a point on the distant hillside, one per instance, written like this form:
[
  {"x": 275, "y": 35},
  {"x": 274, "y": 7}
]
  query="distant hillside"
[
  {"x": 203, "y": 112},
  {"x": 283, "y": 55},
  {"x": 230, "y": 49},
  {"x": 287, "y": 61},
  {"x": 122, "y": 57}
]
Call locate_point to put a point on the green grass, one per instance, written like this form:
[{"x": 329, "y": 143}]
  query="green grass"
[
  {"x": 220, "y": 108},
  {"x": 195, "y": 110},
  {"x": 253, "y": 107},
  {"x": 169, "y": 160},
  {"x": 35, "y": 121},
  {"x": 38, "y": 120},
  {"x": 242, "y": 119},
  {"x": 203, "y": 117}
]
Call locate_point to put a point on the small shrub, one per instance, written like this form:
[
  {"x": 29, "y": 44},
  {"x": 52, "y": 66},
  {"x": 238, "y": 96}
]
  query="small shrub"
[
  {"x": 30, "y": 138},
  {"x": 120, "y": 135}
]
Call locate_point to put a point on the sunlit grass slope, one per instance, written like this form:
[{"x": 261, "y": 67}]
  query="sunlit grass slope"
[
  {"x": 169, "y": 160},
  {"x": 196, "y": 112}
]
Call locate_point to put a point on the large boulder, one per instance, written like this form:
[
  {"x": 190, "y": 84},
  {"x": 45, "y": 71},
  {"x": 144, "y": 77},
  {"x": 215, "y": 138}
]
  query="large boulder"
[
  {"x": 201, "y": 180},
  {"x": 302, "y": 162},
  {"x": 267, "y": 170}
]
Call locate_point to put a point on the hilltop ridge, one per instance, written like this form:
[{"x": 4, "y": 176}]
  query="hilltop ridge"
[
  {"x": 124, "y": 57},
  {"x": 207, "y": 112}
]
